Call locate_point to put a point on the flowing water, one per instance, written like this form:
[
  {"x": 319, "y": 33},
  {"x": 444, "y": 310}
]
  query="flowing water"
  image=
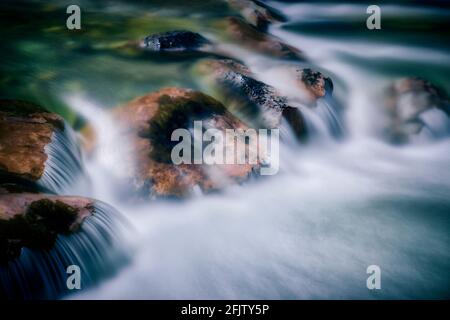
[
  {"x": 63, "y": 166},
  {"x": 39, "y": 274},
  {"x": 342, "y": 202}
]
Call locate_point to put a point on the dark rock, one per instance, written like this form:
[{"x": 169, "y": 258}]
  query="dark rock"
[
  {"x": 294, "y": 118},
  {"x": 179, "y": 40},
  {"x": 233, "y": 79}
]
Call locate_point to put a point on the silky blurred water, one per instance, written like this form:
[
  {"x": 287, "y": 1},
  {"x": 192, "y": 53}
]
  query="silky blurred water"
[{"x": 336, "y": 206}]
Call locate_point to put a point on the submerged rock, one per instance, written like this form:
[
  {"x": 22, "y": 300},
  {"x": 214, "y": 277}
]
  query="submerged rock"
[
  {"x": 415, "y": 107},
  {"x": 178, "y": 40},
  {"x": 251, "y": 38},
  {"x": 188, "y": 44},
  {"x": 149, "y": 122},
  {"x": 257, "y": 13},
  {"x": 34, "y": 220},
  {"x": 36, "y": 145},
  {"x": 232, "y": 79},
  {"x": 87, "y": 139}
]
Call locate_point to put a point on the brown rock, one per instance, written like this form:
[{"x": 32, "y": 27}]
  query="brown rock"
[
  {"x": 248, "y": 36},
  {"x": 37, "y": 147},
  {"x": 25, "y": 130},
  {"x": 149, "y": 122},
  {"x": 256, "y": 13},
  {"x": 34, "y": 220},
  {"x": 314, "y": 83},
  {"x": 88, "y": 139}
]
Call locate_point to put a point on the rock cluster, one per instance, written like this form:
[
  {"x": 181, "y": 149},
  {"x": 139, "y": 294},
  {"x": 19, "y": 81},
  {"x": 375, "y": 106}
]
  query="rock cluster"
[
  {"x": 29, "y": 217},
  {"x": 262, "y": 101}
]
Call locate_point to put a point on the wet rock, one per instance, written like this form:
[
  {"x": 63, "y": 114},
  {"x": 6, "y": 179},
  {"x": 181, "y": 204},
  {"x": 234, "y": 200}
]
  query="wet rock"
[
  {"x": 25, "y": 130},
  {"x": 34, "y": 220},
  {"x": 295, "y": 119},
  {"x": 187, "y": 44},
  {"x": 415, "y": 107},
  {"x": 303, "y": 85},
  {"x": 314, "y": 83},
  {"x": 149, "y": 122},
  {"x": 257, "y": 13},
  {"x": 29, "y": 134},
  {"x": 251, "y": 38},
  {"x": 267, "y": 106},
  {"x": 178, "y": 40},
  {"x": 41, "y": 235}
]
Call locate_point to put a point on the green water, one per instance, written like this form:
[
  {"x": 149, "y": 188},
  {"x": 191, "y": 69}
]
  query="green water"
[{"x": 43, "y": 60}]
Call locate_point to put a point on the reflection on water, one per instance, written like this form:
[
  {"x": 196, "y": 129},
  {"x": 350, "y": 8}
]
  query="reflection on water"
[{"x": 335, "y": 207}]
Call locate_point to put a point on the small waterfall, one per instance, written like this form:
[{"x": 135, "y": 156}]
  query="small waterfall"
[
  {"x": 64, "y": 163},
  {"x": 111, "y": 146},
  {"x": 436, "y": 125},
  {"x": 323, "y": 118},
  {"x": 96, "y": 248},
  {"x": 323, "y": 122},
  {"x": 328, "y": 111}
]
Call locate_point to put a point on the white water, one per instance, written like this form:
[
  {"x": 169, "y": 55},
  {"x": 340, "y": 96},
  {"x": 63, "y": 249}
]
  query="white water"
[
  {"x": 63, "y": 162},
  {"x": 309, "y": 232}
]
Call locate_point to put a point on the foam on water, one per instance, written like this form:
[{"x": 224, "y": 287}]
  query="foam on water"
[{"x": 311, "y": 231}]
